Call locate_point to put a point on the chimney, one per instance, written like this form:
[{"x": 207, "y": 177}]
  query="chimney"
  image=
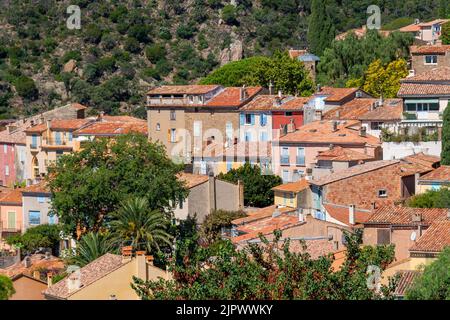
[
  {"x": 362, "y": 131},
  {"x": 331, "y": 146},
  {"x": 149, "y": 259},
  {"x": 373, "y": 205},
  {"x": 270, "y": 88},
  {"x": 318, "y": 115},
  {"x": 100, "y": 116},
  {"x": 291, "y": 126},
  {"x": 448, "y": 214},
  {"x": 41, "y": 120},
  {"x": 333, "y": 126},
  {"x": 49, "y": 124},
  {"x": 276, "y": 212},
  {"x": 243, "y": 93},
  {"x": 48, "y": 255},
  {"x": 141, "y": 265},
  {"x": 49, "y": 279},
  {"x": 301, "y": 217},
  {"x": 351, "y": 214},
  {"x": 416, "y": 217},
  {"x": 308, "y": 175},
  {"x": 36, "y": 274},
  {"x": 280, "y": 94},
  {"x": 27, "y": 262},
  {"x": 127, "y": 252}
]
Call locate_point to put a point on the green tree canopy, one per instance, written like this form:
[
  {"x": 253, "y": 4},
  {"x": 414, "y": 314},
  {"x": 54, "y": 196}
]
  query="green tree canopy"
[
  {"x": 215, "y": 221},
  {"x": 257, "y": 186},
  {"x": 42, "y": 236},
  {"x": 6, "y": 287},
  {"x": 90, "y": 184},
  {"x": 92, "y": 246},
  {"x": 321, "y": 30},
  {"x": 434, "y": 283},
  {"x": 431, "y": 199},
  {"x": 445, "y": 34},
  {"x": 285, "y": 74},
  {"x": 267, "y": 271},
  {"x": 445, "y": 152}
]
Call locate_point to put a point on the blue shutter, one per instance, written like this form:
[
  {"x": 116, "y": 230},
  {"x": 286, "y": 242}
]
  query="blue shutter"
[
  {"x": 242, "y": 119},
  {"x": 253, "y": 119},
  {"x": 263, "y": 119}
]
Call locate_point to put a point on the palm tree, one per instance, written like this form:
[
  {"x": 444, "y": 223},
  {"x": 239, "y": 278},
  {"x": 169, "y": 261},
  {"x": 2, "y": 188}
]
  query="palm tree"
[
  {"x": 135, "y": 222},
  {"x": 92, "y": 246}
]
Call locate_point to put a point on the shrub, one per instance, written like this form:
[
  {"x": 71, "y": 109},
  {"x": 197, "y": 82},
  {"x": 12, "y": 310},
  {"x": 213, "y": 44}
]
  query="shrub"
[{"x": 26, "y": 88}]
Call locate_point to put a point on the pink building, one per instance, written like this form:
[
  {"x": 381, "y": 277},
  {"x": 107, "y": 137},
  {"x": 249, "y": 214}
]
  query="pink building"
[
  {"x": 12, "y": 156},
  {"x": 296, "y": 151},
  {"x": 11, "y": 212}
]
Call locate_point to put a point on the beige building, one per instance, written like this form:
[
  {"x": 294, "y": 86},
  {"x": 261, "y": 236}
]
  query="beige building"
[
  {"x": 185, "y": 118},
  {"x": 206, "y": 194},
  {"x": 107, "y": 278},
  {"x": 427, "y": 57}
]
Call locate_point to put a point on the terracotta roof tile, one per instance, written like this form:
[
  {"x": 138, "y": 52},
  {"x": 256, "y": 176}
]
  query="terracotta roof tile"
[
  {"x": 231, "y": 97},
  {"x": 186, "y": 89},
  {"x": 112, "y": 128},
  {"x": 192, "y": 180},
  {"x": 68, "y": 125},
  {"x": 270, "y": 103},
  {"x": 297, "y": 186},
  {"x": 424, "y": 159},
  {"x": 338, "y": 153},
  {"x": 12, "y": 197},
  {"x": 434, "y": 75},
  {"x": 406, "y": 279},
  {"x": 397, "y": 215},
  {"x": 336, "y": 94},
  {"x": 351, "y": 110},
  {"x": 121, "y": 119},
  {"x": 423, "y": 89},
  {"x": 441, "y": 174},
  {"x": 353, "y": 171},
  {"x": 38, "y": 262},
  {"x": 341, "y": 213},
  {"x": 316, "y": 248},
  {"x": 322, "y": 132},
  {"x": 40, "y": 187},
  {"x": 89, "y": 274},
  {"x": 428, "y": 49},
  {"x": 434, "y": 239},
  {"x": 391, "y": 110},
  {"x": 78, "y": 106},
  {"x": 261, "y": 214},
  {"x": 410, "y": 28},
  {"x": 17, "y": 136}
]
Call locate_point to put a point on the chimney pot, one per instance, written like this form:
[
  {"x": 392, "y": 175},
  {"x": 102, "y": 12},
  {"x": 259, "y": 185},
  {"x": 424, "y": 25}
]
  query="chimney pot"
[
  {"x": 363, "y": 131},
  {"x": 36, "y": 274},
  {"x": 351, "y": 214},
  {"x": 334, "y": 126},
  {"x": 448, "y": 214}
]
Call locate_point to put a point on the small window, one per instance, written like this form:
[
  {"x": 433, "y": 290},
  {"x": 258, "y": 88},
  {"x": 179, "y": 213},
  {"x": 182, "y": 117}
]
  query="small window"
[
  {"x": 6, "y": 170},
  {"x": 288, "y": 114},
  {"x": 432, "y": 59},
  {"x": 158, "y": 127},
  {"x": 173, "y": 135},
  {"x": 229, "y": 166},
  {"x": 191, "y": 99},
  {"x": 383, "y": 236},
  {"x": 376, "y": 125},
  {"x": 173, "y": 115},
  {"x": 70, "y": 136},
  {"x": 34, "y": 218},
  {"x": 51, "y": 219},
  {"x": 41, "y": 199},
  {"x": 248, "y": 118},
  {"x": 197, "y": 125},
  {"x": 382, "y": 193}
]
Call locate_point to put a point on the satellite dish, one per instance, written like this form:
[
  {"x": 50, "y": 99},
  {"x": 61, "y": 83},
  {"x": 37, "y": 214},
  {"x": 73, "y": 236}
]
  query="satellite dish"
[{"x": 413, "y": 236}]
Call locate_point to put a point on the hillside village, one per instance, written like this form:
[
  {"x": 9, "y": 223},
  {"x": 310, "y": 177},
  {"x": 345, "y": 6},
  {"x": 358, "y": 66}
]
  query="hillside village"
[{"x": 347, "y": 162}]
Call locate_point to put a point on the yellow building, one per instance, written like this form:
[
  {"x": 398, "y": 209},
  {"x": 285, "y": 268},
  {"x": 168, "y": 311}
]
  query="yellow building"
[
  {"x": 291, "y": 194},
  {"x": 435, "y": 179},
  {"x": 106, "y": 278}
]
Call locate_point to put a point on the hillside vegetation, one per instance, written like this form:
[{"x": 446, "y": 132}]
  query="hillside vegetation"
[{"x": 123, "y": 47}]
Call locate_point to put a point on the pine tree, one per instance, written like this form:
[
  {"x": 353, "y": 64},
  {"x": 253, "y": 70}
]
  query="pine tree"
[
  {"x": 445, "y": 35},
  {"x": 445, "y": 153},
  {"x": 321, "y": 30}
]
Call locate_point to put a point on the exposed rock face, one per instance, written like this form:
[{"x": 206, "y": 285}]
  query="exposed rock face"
[
  {"x": 232, "y": 53},
  {"x": 70, "y": 66}
]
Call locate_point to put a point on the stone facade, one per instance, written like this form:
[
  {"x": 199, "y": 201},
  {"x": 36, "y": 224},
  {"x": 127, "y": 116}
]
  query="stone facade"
[{"x": 419, "y": 66}]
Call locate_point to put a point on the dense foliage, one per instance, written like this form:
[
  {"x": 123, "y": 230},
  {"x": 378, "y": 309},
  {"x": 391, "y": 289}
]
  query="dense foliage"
[
  {"x": 91, "y": 246},
  {"x": 349, "y": 59},
  {"x": 87, "y": 186},
  {"x": 284, "y": 73},
  {"x": 445, "y": 152},
  {"x": 267, "y": 271},
  {"x": 434, "y": 283},
  {"x": 257, "y": 186},
  {"x": 382, "y": 80},
  {"x": 445, "y": 34},
  {"x": 431, "y": 199},
  {"x": 6, "y": 287},
  {"x": 42, "y": 236},
  {"x": 321, "y": 30},
  {"x": 211, "y": 228}
]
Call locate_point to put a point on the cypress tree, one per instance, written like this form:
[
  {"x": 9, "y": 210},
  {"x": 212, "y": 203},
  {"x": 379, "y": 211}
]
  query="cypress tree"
[
  {"x": 445, "y": 153},
  {"x": 321, "y": 30}
]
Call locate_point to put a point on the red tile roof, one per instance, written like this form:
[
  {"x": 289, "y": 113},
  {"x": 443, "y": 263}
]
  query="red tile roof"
[
  {"x": 336, "y": 94},
  {"x": 316, "y": 248},
  {"x": 121, "y": 119},
  {"x": 397, "y": 215},
  {"x": 67, "y": 125},
  {"x": 17, "y": 136},
  {"x": 11, "y": 197},
  {"x": 40, "y": 187},
  {"x": 261, "y": 214},
  {"x": 434, "y": 75},
  {"x": 338, "y": 153},
  {"x": 230, "y": 97},
  {"x": 183, "y": 89},
  {"x": 351, "y": 110},
  {"x": 353, "y": 171},
  {"x": 341, "y": 213},
  {"x": 406, "y": 279},
  {"x": 423, "y": 89},
  {"x": 391, "y": 110},
  {"x": 266, "y": 226},
  {"x": 88, "y": 274},
  {"x": 322, "y": 132},
  {"x": 297, "y": 186},
  {"x": 434, "y": 239},
  {"x": 441, "y": 174},
  {"x": 113, "y": 128},
  {"x": 78, "y": 106},
  {"x": 428, "y": 49},
  {"x": 269, "y": 103},
  {"x": 192, "y": 180},
  {"x": 38, "y": 262},
  {"x": 410, "y": 28}
]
